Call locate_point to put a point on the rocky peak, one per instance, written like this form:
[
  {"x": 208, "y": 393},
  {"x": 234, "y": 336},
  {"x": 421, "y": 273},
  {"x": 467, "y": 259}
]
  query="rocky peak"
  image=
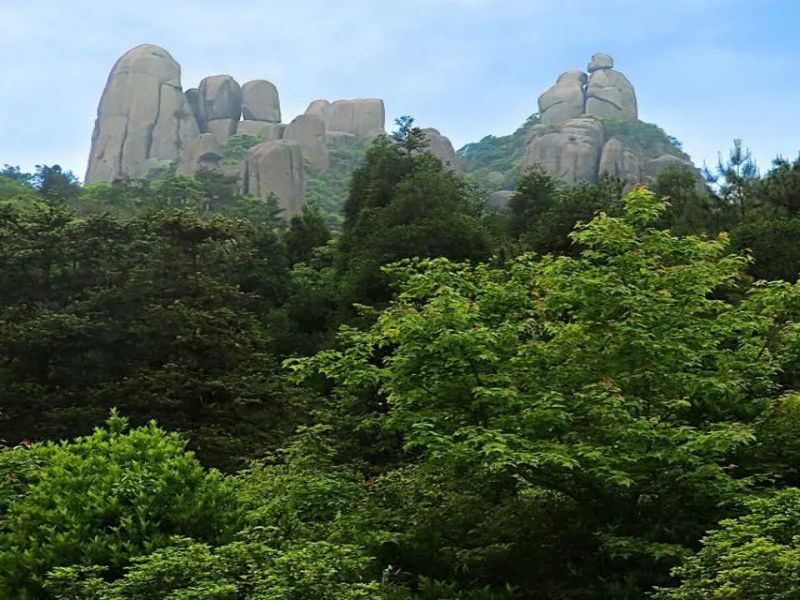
[{"x": 604, "y": 92}]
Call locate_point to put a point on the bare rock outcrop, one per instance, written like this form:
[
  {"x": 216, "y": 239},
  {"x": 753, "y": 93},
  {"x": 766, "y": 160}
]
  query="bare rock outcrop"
[
  {"x": 363, "y": 117},
  {"x": 260, "y": 101},
  {"x": 620, "y": 161},
  {"x": 266, "y": 132},
  {"x": 276, "y": 168},
  {"x": 219, "y": 106},
  {"x": 143, "y": 115},
  {"x": 570, "y": 153},
  {"x": 204, "y": 151},
  {"x": 565, "y": 100},
  {"x": 442, "y": 148},
  {"x": 610, "y": 94},
  {"x": 318, "y": 107},
  {"x": 309, "y": 132}
]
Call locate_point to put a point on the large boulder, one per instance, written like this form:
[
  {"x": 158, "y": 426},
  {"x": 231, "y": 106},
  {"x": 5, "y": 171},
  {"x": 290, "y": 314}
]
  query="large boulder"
[
  {"x": 266, "y": 132},
  {"x": 570, "y": 153},
  {"x": 143, "y": 114},
  {"x": 441, "y": 147},
  {"x": 204, "y": 151},
  {"x": 362, "y": 118},
  {"x": 620, "y": 161},
  {"x": 260, "y": 101},
  {"x": 276, "y": 168},
  {"x": 223, "y": 129},
  {"x": 309, "y": 132},
  {"x": 220, "y": 97},
  {"x": 565, "y": 100},
  {"x": 600, "y": 61},
  {"x": 610, "y": 94},
  {"x": 318, "y": 107}
]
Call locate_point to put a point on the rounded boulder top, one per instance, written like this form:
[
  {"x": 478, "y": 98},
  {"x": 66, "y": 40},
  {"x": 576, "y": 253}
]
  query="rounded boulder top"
[
  {"x": 600, "y": 61},
  {"x": 149, "y": 59},
  {"x": 573, "y": 76}
]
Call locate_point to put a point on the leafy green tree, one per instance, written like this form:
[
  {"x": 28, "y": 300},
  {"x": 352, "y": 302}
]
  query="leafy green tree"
[
  {"x": 755, "y": 556},
  {"x": 402, "y": 204},
  {"x": 410, "y": 138},
  {"x": 566, "y": 427},
  {"x": 306, "y": 232},
  {"x": 106, "y": 499},
  {"x": 163, "y": 316},
  {"x": 735, "y": 178}
]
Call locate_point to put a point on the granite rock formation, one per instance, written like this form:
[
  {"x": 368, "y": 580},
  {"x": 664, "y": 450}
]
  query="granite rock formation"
[
  {"x": 603, "y": 93},
  {"x": 261, "y": 102},
  {"x": 441, "y": 147},
  {"x": 142, "y": 116},
  {"x": 565, "y": 100},
  {"x": 573, "y": 141},
  {"x": 309, "y": 132},
  {"x": 145, "y": 121},
  {"x": 276, "y": 168}
]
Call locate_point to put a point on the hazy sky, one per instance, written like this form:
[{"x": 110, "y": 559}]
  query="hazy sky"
[{"x": 705, "y": 70}]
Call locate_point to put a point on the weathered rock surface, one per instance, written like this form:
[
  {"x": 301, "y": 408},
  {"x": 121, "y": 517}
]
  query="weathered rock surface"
[
  {"x": 220, "y": 98},
  {"x": 142, "y": 115},
  {"x": 204, "y": 151},
  {"x": 570, "y": 153},
  {"x": 309, "y": 132},
  {"x": 600, "y": 61},
  {"x": 267, "y": 132},
  {"x": 260, "y": 101},
  {"x": 363, "y": 118},
  {"x": 276, "y": 168},
  {"x": 620, "y": 161},
  {"x": 222, "y": 129},
  {"x": 441, "y": 147},
  {"x": 565, "y": 100},
  {"x": 610, "y": 94},
  {"x": 318, "y": 107}
]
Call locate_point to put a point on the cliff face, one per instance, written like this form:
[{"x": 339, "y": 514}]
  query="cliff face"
[{"x": 145, "y": 120}]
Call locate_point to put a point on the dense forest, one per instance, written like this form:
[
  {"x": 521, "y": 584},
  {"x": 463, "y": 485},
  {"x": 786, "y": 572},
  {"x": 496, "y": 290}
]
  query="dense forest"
[{"x": 402, "y": 393}]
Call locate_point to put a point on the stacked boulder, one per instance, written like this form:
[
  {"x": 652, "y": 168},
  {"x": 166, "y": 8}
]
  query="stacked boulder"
[
  {"x": 145, "y": 120},
  {"x": 571, "y": 143}
]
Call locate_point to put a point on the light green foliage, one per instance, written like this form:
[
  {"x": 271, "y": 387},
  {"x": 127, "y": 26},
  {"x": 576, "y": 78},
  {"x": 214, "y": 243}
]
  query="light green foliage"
[
  {"x": 497, "y": 154},
  {"x": 106, "y": 499},
  {"x": 564, "y": 425},
  {"x": 752, "y": 557}
]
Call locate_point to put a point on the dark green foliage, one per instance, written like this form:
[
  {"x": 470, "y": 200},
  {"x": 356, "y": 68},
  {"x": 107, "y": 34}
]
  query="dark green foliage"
[
  {"x": 402, "y": 205},
  {"x": 306, "y": 232},
  {"x": 326, "y": 191},
  {"x": 162, "y": 316},
  {"x": 543, "y": 211},
  {"x": 775, "y": 244}
]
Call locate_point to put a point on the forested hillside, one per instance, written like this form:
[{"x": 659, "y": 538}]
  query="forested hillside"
[{"x": 593, "y": 393}]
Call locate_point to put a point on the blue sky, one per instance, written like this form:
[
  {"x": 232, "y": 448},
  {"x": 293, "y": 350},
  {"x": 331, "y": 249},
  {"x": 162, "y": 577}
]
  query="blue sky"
[{"x": 705, "y": 70}]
